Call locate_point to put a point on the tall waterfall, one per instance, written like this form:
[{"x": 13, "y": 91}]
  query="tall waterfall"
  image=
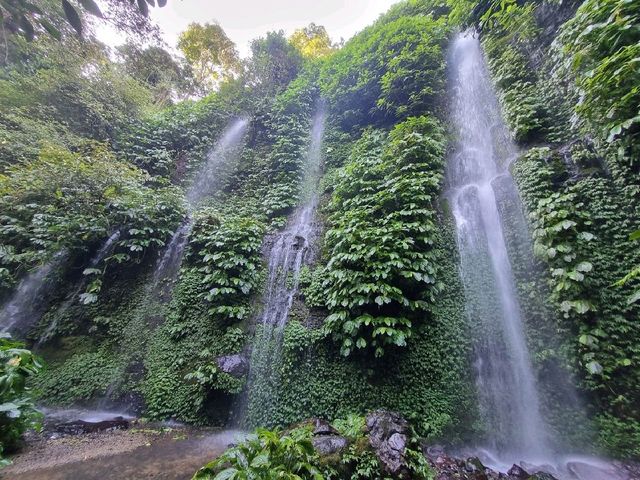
[
  {"x": 477, "y": 175},
  {"x": 286, "y": 257}
]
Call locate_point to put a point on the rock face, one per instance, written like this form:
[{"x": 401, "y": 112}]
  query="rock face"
[
  {"x": 388, "y": 435},
  {"x": 322, "y": 427},
  {"x": 326, "y": 439},
  {"x": 78, "y": 427},
  {"x": 235, "y": 365},
  {"x": 517, "y": 471},
  {"x": 329, "y": 444}
]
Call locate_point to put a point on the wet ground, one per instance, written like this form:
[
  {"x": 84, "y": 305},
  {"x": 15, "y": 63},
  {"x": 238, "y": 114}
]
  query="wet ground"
[{"x": 141, "y": 452}]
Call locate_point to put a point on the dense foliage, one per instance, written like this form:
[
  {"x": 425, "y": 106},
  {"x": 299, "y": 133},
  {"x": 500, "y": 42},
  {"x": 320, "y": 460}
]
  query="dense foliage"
[
  {"x": 98, "y": 150},
  {"x": 17, "y": 410},
  {"x": 266, "y": 454},
  {"x": 381, "y": 277}
]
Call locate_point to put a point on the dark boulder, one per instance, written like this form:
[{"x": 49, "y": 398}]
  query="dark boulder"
[
  {"x": 329, "y": 444},
  {"x": 516, "y": 471},
  {"x": 322, "y": 427},
  {"x": 235, "y": 365},
  {"x": 388, "y": 436},
  {"x": 78, "y": 427}
]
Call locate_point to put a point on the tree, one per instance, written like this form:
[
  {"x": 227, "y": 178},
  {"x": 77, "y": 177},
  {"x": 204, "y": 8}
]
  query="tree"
[
  {"x": 211, "y": 54},
  {"x": 158, "y": 69},
  {"x": 274, "y": 63},
  {"x": 30, "y": 19},
  {"x": 312, "y": 41}
]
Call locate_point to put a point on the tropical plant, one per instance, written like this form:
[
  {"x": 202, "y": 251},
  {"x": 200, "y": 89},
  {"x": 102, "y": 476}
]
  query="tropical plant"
[
  {"x": 17, "y": 410},
  {"x": 381, "y": 276},
  {"x": 266, "y": 455},
  {"x": 602, "y": 45}
]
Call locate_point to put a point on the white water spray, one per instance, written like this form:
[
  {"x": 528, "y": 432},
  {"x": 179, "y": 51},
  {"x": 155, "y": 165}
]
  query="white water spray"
[{"x": 286, "y": 258}]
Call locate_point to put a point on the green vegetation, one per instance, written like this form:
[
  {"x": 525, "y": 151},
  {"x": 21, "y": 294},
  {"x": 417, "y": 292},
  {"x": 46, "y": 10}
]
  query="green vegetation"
[
  {"x": 381, "y": 277},
  {"x": 290, "y": 454},
  {"x": 17, "y": 410},
  {"x": 93, "y": 143},
  {"x": 266, "y": 454}
]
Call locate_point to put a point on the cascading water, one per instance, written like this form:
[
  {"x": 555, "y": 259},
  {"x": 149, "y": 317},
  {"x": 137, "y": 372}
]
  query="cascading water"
[
  {"x": 505, "y": 378},
  {"x": 286, "y": 258},
  {"x": 28, "y": 302},
  {"x": 100, "y": 255},
  {"x": 479, "y": 183},
  {"x": 165, "y": 273},
  {"x": 168, "y": 264}
]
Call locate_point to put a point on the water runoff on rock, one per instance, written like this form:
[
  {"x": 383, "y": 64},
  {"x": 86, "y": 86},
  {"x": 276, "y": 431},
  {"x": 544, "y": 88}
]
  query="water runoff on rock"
[
  {"x": 168, "y": 265},
  {"x": 30, "y": 299},
  {"x": 479, "y": 183},
  {"x": 286, "y": 256}
]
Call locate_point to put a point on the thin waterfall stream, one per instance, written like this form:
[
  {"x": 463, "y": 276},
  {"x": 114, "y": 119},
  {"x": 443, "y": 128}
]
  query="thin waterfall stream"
[
  {"x": 168, "y": 265},
  {"x": 479, "y": 182},
  {"x": 285, "y": 260},
  {"x": 159, "y": 289}
]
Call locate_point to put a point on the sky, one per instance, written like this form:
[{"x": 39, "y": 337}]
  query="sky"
[{"x": 244, "y": 20}]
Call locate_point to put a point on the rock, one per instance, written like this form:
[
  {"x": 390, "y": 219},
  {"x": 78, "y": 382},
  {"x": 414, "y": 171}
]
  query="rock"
[
  {"x": 78, "y": 427},
  {"x": 542, "y": 476},
  {"x": 433, "y": 451},
  {"x": 474, "y": 465},
  {"x": 322, "y": 427},
  {"x": 235, "y": 365},
  {"x": 517, "y": 471},
  {"x": 329, "y": 444},
  {"x": 388, "y": 435}
]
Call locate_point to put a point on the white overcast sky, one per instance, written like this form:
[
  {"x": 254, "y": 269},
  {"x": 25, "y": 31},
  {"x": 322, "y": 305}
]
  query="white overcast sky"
[{"x": 244, "y": 20}]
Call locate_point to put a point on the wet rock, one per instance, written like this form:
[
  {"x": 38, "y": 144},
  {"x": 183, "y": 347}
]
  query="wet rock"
[
  {"x": 388, "y": 435},
  {"x": 542, "y": 476},
  {"x": 516, "y": 471},
  {"x": 433, "y": 451},
  {"x": 235, "y": 365},
  {"x": 78, "y": 427},
  {"x": 474, "y": 465},
  {"x": 322, "y": 427},
  {"x": 329, "y": 444}
]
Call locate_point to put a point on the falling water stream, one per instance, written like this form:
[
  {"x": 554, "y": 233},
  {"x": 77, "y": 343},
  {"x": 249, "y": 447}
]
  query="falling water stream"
[
  {"x": 478, "y": 182},
  {"x": 168, "y": 265},
  {"x": 285, "y": 259},
  {"x": 159, "y": 290},
  {"x": 29, "y": 300}
]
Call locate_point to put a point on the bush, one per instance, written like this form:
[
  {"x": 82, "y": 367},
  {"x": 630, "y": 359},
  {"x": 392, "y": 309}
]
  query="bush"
[
  {"x": 267, "y": 454},
  {"x": 17, "y": 410}
]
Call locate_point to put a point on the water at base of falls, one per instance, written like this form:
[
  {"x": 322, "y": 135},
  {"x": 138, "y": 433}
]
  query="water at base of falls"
[{"x": 479, "y": 183}]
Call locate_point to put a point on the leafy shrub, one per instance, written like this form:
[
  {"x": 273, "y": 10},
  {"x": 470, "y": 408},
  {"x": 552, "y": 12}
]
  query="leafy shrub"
[
  {"x": 381, "y": 275},
  {"x": 390, "y": 71},
  {"x": 602, "y": 45},
  {"x": 17, "y": 410},
  {"x": 227, "y": 254},
  {"x": 266, "y": 454},
  {"x": 75, "y": 201}
]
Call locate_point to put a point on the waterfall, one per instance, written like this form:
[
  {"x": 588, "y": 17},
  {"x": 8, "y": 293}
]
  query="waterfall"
[
  {"x": 477, "y": 176},
  {"x": 285, "y": 259},
  {"x": 168, "y": 265},
  {"x": 100, "y": 255},
  {"x": 29, "y": 301}
]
